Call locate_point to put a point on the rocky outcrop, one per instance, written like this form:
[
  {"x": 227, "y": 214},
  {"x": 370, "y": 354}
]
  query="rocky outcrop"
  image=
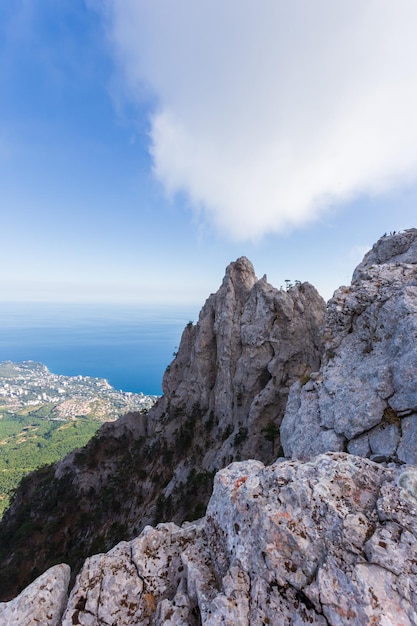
[
  {"x": 398, "y": 247},
  {"x": 328, "y": 537},
  {"x": 364, "y": 397},
  {"x": 224, "y": 397},
  {"x": 328, "y": 542},
  {"x": 238, "y": 362},
  {"x": 43, "y": 602}
]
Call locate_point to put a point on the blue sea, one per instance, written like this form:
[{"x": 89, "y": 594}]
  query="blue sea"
[{"x": 130, "y": 346}]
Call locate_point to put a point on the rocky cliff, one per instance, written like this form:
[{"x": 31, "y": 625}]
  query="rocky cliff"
[
  {"x": 328, "y": 537},
  {"x": 224, "y": 398},
  {"x": 331, "y": 541},
  {"x": 364, "y": 397}
]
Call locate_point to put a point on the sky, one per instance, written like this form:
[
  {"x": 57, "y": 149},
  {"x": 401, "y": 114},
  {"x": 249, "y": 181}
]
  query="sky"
[{"x": 145, "y": 145}]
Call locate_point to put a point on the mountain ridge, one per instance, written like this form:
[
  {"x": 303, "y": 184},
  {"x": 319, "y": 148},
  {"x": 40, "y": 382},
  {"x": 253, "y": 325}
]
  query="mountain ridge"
[
  {"x": 224, "y": 398},
  {"x": 327, "y": 538}
]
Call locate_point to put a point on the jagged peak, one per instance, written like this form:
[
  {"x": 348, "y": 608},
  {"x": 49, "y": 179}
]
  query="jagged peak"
[
  {"x": 241, "y": 269},
  {"x": 397, "y": 247},
  {"x": 228, "y": 382},
  {"x": 241, "y": 275}
]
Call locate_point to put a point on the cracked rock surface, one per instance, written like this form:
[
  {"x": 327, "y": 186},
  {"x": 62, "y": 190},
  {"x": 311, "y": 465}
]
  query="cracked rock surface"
[
  {"x": 364, "y": 397},
  {"x": 331, "y": 541},
  {"x": 43, "y": 602}
]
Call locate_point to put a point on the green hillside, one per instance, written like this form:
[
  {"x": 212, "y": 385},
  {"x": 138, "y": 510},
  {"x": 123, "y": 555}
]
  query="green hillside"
[
  {"x": 30, "y": 439},
  {"x": 43, "y": 416}
]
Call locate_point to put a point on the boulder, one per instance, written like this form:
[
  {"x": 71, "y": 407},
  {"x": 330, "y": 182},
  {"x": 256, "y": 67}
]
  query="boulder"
[{"x": 43, "y": 602}]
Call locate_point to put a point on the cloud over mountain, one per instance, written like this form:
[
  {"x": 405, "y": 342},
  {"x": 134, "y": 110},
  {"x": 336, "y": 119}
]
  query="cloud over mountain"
[{"x": 266, "y": 115}]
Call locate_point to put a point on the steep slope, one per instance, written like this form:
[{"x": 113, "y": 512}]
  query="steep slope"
[
  {"x": 364, "y": 397},
  {"x": 328, "y": 542},
  {"x": 224, "y": 397}
]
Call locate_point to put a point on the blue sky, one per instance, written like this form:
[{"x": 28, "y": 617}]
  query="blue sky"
[{"x": 145, "y": 145}]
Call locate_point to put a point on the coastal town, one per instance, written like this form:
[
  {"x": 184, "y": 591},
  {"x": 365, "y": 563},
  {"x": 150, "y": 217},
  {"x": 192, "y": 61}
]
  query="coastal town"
[{"x": 30, "y": 386}]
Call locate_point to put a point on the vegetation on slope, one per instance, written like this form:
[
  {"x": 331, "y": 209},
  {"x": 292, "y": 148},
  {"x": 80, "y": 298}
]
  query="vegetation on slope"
[
  {"x": 54, "y": 519},
  {"x": 44, "y": 416},
  {"x": 29, "y": 439}
]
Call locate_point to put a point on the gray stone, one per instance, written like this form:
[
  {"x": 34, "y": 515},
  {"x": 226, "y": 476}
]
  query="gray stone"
[
  {"x": 43, "y": 602},
  {"x": 407, "y": 481},
  {"x": 319, "y": 439},
  {"x": 367, "y": 380},
  {"x": 384, "y": 439},
  {"x": 398, "y": 248},
  {"x": 359, "y": 446},
  {"x": 327, "y": 542},
  {"x": 407, "y": 450},
  {"x": 251, "y": 342}
]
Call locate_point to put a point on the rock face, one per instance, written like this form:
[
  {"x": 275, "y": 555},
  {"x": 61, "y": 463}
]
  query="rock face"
[
  {"x": 224, "y": 398},
  {"x": 328, "y": 537},
  {"x": 43, "y": 602},
  {"x": 332, "y": 541},
  {"x": 364, "y": 397},
  {"x": 238, "y": 362}
]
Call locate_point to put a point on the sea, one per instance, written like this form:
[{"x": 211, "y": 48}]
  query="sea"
[{"x": 130, "y": 345}]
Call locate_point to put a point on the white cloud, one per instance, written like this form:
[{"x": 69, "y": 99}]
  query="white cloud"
[{"x": 268, "y": 113}]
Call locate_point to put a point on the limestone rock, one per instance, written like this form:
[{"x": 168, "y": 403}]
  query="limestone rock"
[
  {"x": 224, "y": 398},
  {"x": 329, "y": 542},
  {"x": 397, "y": 248},
  {"x": 251, "y": 342},
  {"x": 364, "y": 398},
  {"x": 43, "y": 602}
]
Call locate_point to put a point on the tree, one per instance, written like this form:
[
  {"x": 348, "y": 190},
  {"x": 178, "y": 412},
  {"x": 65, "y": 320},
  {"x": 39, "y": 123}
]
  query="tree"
[{"x": 271, "y": 432}]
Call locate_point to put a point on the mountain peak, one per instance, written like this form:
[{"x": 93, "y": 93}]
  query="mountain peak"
[
  {"x": 398, "y": 247},
  {"x": 240, "y": 275},
  {"x": 224, "y": 398}
]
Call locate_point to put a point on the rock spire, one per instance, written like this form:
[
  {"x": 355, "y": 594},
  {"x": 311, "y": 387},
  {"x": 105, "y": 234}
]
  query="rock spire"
[
  {"x": 327, "y": 537},
  {"x": 224, "y": 398}
]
